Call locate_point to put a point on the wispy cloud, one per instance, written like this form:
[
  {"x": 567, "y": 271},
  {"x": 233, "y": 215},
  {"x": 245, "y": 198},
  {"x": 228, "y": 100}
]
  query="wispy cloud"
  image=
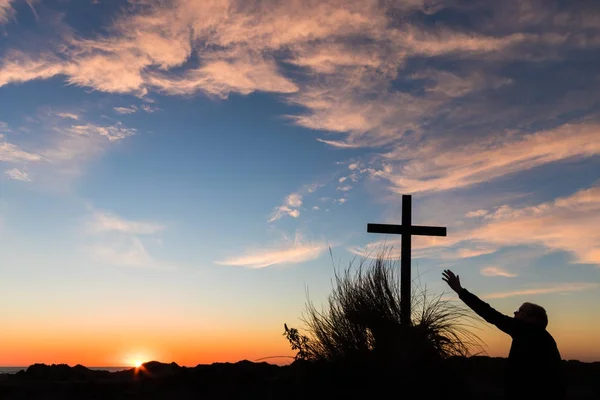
[
  {"x": 76, "y": 144},
  {"x": 148, "y": 108},
  {"x": 103, "y": 222},
  {"x": 68, "y": 115},
  {"x": 18, "y": 175},
  {"x": 469, "y": 250},
  {"x": 6, "y": 11},
  {"x": 112, "y": 133},
  {"x": 223, "y": 77},
  {"x": 12, "y": 153},
  {"x": 18, "y": 67},
  {"x": 314, "y": 187},
  {"x": 289, "y": 207},
  {"x": 237, "y": 45},
  {"x": 371, "y": 75},
  {"x": 422, "y": 247},
  {"x": 117, "y": 241},
  {"x": 289, "y": 252},
  {"x": 476, "y": 213},
  {"x": 68, "y": 144},
  {"x": 125, "y": 252},
  {"x": 125, "y": 110},
  {"x": 434, "y": 167},
  {"x": 497, "y": 271},
  {"x": 559, "y": 288},
  {"x": 566, "y": 224}
]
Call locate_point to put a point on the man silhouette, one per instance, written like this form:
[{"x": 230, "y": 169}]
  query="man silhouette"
[{"x": 533, "y": 369}]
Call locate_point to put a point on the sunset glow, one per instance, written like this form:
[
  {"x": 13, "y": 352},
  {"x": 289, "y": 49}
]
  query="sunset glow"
[{"x": 175, "y": 176}]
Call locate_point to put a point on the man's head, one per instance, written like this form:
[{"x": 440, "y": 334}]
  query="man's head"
[{"x": 532, "y": 313}]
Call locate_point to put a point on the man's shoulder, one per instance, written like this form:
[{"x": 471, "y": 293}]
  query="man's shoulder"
[
  {"x": 525, "y": 328},
  {"x": 549, "y": 337}
]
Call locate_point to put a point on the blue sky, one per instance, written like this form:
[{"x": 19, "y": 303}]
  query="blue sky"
[{"x": 204, "y": 157}]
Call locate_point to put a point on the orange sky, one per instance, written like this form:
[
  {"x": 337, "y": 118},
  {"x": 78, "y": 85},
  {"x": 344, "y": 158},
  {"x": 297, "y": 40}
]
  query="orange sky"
[
  {"x": 116, "y": 348},
  {"x": 113, "y": 348}
]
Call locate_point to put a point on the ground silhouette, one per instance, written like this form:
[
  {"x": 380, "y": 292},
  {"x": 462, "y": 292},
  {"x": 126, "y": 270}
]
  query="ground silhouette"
[{"x": 480, "y": 376}]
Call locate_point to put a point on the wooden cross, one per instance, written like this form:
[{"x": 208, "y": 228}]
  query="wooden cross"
[{"x": 406, "y": 230}]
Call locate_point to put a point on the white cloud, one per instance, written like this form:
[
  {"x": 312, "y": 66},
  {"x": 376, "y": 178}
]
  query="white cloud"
[
  {"x": 451, "y": 85},
  {"x": 68, "y": 115},
  {"x": 313, "y": 187},
  {"x": 333, "y": 143},
  {"x": 294, "y": 200},
  {"x": 125, "y": 110},
  {"x": 566, "y": 224},
  {"x": 422, "y": 247},
  {"x": 126, "y": 252},
  {"x": 344, "y": 188},
  {"x": 347, "y": 57},
  {"x": 467, "y": 251},
  {"x": 18, "y": 67},
  {"x": 236, "y": 41},
  {"x": 476, "y": 213},
  {"x": 148, "y": 108},
  {"x": 12, "y": 153},
  {"x": 281, "y": 211},
  {"x": 103, "y": 222},
  {"x": 289, "y": 207},
  {"x": 497, "y": 271},
  {"x": 113, "y": 133},
  {"x": 286, "y": 253},
  {"x": 435, "y": 167},
  {"x": 294, "y": 213},
  {"x": 117, "y": 240},
  {"x": 69, "y": 148},
  {"x": 18, "y": 175},
  {"x": 6, "y": 11},
  {"x": 222, "y": 77},
  {"x": 559, "y": 288},
  {"x": 61, "y": 147}
]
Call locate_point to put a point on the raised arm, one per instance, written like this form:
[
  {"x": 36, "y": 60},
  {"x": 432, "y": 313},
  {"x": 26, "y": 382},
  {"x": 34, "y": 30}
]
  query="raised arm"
[{"x": 484, "y": 310}]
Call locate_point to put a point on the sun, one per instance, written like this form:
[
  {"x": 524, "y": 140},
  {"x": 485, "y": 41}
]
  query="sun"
[{"x": 136, "y": 359}]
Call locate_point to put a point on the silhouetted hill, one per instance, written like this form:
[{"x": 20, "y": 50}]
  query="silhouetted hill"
[
  {"x": 58, "y": 372},
  {"x": 475, "y": 377}
]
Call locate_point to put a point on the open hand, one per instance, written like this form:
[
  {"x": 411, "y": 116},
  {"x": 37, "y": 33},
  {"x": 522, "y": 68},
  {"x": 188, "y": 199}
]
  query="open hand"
[{"x": 452, "y": 280}]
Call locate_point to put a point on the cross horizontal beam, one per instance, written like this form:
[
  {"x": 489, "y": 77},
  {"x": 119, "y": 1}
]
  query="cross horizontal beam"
[{"x": 412, "y": 230}]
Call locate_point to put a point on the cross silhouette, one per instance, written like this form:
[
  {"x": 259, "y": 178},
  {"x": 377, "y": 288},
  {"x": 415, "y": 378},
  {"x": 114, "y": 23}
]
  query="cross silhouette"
[{"x": 406, "y": 230}]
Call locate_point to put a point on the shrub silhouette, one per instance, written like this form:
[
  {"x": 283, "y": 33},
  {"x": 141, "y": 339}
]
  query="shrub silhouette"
[{"x": 362, "y": 322}]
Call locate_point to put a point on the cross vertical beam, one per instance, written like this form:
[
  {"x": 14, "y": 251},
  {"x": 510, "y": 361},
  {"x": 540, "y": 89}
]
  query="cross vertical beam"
[
  {"x": 405, "y": 256},
  {"x": 407, "y": 229}
]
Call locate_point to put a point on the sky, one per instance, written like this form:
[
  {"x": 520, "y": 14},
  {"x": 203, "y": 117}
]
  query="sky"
[{"x": 176, "y": 175}]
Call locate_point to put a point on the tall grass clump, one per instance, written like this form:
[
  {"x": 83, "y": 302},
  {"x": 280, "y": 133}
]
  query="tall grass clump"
[{"x": 361, "y": 322}]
